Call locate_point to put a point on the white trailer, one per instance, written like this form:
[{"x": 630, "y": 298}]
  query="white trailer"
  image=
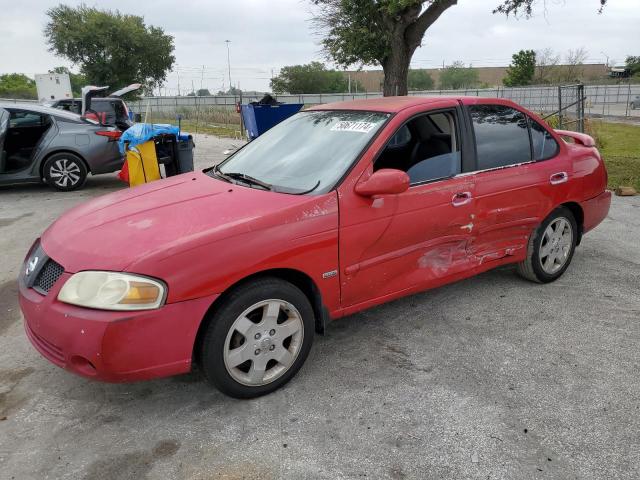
[{"x": 53, "y": 86}]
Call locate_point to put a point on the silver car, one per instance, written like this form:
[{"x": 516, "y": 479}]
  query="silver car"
[{"x": 39, "y": 143}]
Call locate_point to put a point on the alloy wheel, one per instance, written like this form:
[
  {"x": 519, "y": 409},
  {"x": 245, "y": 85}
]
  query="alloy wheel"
[
  {"x": 65, "y": 173},
  {"x": 555, "y": 246},
  {"x": 263, "y": 342}
]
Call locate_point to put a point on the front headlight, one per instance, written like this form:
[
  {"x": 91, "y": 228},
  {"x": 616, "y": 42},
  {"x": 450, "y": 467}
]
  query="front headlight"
[{"x": 112, "y": 291}]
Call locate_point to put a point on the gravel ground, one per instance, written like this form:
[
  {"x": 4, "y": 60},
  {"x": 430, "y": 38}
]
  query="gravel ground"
[{"x": 492, "y": 377}]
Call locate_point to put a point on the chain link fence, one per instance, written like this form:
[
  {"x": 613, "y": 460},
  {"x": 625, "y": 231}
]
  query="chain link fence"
[
  {"x": 571, "y": 104},
  {"x": 565, "y": 106}
]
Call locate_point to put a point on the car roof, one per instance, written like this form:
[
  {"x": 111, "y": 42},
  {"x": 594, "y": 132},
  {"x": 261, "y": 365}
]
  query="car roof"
[
  {"x": 34, "y": 107},
  {"x": 397, "y": 104}
]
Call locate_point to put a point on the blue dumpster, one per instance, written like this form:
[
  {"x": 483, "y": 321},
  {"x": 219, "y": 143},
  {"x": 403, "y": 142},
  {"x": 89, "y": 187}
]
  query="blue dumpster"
[{"x": 260, "y": 118}]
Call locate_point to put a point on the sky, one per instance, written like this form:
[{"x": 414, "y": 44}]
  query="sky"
[{"x": 266, "y": 35}]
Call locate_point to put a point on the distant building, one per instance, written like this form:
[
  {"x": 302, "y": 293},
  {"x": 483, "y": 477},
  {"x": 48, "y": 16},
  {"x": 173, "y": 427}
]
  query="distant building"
[
  {"x": 620, "y": 71},
  {"x": 372, "y": 80}
]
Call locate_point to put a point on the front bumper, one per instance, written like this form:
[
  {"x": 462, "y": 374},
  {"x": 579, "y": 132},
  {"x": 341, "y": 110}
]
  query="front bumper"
[{"x": 112, "y": 346}]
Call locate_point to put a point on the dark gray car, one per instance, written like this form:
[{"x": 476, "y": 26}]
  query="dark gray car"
[{"x": 39, "y": 143}]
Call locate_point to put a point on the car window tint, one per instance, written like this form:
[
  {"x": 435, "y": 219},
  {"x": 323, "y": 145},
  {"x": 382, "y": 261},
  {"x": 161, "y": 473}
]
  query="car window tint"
[
  {"x": 26, "y": 119},
  {"x": 441, "y": 120},
  {"x": 544, "y": 145},
  {"x": 401, "y": 138},
  {"x": 101, "y": 106},
  {"x": 502, "y": 136}
]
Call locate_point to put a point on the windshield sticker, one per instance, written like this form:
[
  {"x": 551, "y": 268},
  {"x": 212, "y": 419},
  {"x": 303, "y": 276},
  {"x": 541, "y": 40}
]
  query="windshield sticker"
[{"x": 361, "y": 127}]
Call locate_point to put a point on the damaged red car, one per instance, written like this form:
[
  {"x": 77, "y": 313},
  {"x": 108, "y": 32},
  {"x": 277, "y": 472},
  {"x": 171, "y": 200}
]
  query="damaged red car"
[{"x": 337, "y": 209}]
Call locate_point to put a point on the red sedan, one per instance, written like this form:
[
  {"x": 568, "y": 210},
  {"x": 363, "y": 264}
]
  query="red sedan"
[{"x": 337, "y": 209}]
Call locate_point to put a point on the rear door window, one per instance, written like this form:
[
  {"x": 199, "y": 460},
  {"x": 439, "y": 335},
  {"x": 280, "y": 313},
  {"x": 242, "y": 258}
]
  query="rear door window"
[
  {"x": 26, "y": 119},
  {"x": 543, "y": 143},
  {"x": 502, "y": 136}
]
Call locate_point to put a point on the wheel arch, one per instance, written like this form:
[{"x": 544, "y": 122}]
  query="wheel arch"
[
  {"x": 578, "y": 214},
  {"x": 61, "y": 150},
  {"x": 296, "y": 277}
]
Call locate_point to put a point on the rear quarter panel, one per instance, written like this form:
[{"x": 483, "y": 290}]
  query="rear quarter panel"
[{"x": 100, "y": 155}]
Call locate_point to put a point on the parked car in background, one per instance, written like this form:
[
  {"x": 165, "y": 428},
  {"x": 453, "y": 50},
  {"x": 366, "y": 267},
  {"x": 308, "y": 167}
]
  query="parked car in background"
[
  {"x": 336, "y": 209},
  {"x": 109, "y": 110},
  {"x": 39, "y": 143},
  {"x": 635, "y": 103}
]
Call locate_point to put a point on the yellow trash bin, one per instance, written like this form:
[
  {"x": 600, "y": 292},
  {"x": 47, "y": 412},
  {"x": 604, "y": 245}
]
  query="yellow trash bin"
[{"x": 142, "y": 163}]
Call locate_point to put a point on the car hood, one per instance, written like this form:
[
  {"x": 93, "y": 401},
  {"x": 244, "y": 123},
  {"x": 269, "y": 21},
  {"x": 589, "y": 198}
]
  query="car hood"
[{"x": 164, "y": 218}]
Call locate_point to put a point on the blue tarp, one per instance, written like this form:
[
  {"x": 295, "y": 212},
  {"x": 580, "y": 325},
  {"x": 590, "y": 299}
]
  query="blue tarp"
[{"x": 143, "y": 132}]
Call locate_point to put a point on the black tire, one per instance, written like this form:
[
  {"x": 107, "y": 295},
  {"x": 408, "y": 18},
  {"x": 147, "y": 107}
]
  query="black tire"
[
  {"x": 633, "y": 106},
  {"x": 212, "y": 358},
  {"x": 65, "y": 171},
  {"x": 532, "y": 267}
]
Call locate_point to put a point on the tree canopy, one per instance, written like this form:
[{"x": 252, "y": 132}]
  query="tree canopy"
[
  {"x": 313, "y": 77},
  {"x": 522, "y": 69},
  {"x": 457, "y": 76},
  {"x": 17, "y": 85},
  {"x": 388, "y": 32},
  {"x": 633, "y": 64},
  {"x": 109, "y": 47},
  {"x": 420, "y": 80}
]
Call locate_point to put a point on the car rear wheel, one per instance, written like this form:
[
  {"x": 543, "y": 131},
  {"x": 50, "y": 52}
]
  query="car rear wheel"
[
  {"x": 633, "y": 106},
  {"x": 551, "y": 247},
  {"x": 258, "y": 338},
  {"x": 65, "y": 171}
]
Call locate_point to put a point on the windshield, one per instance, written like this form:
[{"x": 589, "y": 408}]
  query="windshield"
[{"x": 308, "y": 152}]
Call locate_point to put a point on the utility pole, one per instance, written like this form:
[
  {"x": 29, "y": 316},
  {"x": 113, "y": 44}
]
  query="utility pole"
[
  {"x": 229, "y": 61},
  {"x": 178, "y": 74},
  {"x": 202, "y": 77}
]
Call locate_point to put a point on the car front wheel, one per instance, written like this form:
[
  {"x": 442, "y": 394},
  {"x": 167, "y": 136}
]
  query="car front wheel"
[
  {"x": 258, "y": 338},
  {"x": 551, "y": 247},
  {"x": 65, "y": 171}
]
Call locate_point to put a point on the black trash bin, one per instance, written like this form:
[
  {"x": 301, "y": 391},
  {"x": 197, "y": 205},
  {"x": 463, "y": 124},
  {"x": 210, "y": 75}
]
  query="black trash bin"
[
  {"x": 175, "y": 153},
  {"x": 185, "y": 153}
]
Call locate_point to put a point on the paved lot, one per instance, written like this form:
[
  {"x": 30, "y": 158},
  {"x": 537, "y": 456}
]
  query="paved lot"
[{"x": 492, "y": 377}]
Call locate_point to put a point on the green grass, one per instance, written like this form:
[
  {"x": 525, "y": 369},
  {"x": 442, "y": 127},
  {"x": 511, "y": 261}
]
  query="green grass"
[
  {"x": 190, "y": 126},
  {"x": 619, "y": 145}
]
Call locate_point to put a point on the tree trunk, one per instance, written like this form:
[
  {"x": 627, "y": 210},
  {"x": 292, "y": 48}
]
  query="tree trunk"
[{"x": 396, "y": 72}]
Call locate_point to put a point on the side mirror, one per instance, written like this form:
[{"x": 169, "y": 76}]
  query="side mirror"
[{"x": 384, "y": 182}]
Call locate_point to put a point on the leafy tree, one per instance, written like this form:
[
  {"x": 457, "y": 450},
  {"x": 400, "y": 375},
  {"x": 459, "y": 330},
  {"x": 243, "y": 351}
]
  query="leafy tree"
[
  {"x": 77, "y": 80},
  {"x": 420, "y": 80},
  {"x": 388, "y": 32},
  {"x": 310, "y": 78},
  {"x": 522, "y": 69},
  {"x": 110, "y": 48},
  {"x": 17, "y": 85},
  {"x": 633, "y": 64},
  {"x": 203, "y": 92},
  {"x": 458, "y": 76}
]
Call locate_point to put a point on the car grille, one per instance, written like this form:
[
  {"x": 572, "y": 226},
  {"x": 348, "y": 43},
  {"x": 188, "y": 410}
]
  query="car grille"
[{"x": 48, "y": 276}]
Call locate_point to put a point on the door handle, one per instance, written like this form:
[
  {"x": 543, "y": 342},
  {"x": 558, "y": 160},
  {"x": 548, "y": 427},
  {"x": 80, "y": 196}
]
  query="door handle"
[
  {"x": 461, "y": 198},
  {"x": 558, "y": 178}
]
